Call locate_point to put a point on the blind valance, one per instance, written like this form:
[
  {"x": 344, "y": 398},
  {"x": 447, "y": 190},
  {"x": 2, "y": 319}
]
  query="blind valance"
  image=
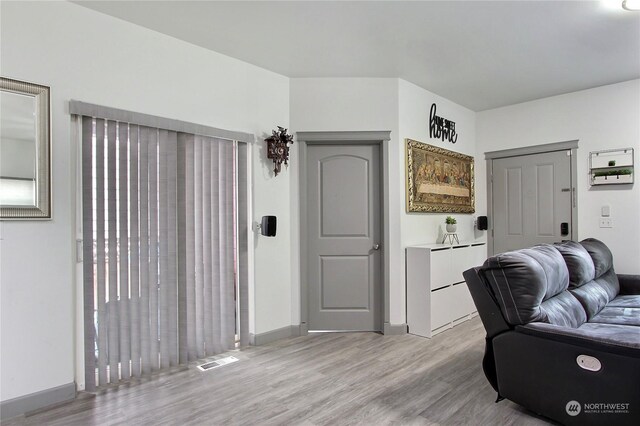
[{"x": 115, "y": 114}]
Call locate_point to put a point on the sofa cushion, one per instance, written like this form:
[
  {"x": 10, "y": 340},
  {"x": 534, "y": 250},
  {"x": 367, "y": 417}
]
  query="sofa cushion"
[
  {"x": 592, "y": 279},
  {"x": 592, "y": 296},
  {"x": 600, "y": 254},
  {"x": 524, "y": 280},
  {"x": 563, "y": 309},
  {"x": 626, "y": 301},
  {"x": 596, "y": 294},
  {"x": 618, "y": 315},
  {"x": 579, "y": 263}
]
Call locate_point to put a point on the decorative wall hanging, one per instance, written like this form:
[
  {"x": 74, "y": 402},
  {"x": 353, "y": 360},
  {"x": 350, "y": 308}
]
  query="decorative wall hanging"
[
  {"x": 611, "y": 167},
  {"x": 278, "y": 148},
  {"x": 441, "y": 128},
  {"x": 438, "y": 180}
]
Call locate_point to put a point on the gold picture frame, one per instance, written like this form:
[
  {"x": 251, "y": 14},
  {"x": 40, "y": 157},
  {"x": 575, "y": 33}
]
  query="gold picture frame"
[{"x": 438, "y": 180}]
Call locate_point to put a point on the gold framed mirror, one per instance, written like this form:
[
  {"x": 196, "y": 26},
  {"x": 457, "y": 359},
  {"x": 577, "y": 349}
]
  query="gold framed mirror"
[{"x": 25, "y": 150}]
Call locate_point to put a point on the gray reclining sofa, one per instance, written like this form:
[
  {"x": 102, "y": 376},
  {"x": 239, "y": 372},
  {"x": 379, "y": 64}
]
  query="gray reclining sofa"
[{"x": 563, "y": 332}]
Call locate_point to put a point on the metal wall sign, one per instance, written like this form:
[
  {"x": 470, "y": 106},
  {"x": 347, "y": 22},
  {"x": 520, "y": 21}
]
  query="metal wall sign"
[{"x": 441, "y": 128}]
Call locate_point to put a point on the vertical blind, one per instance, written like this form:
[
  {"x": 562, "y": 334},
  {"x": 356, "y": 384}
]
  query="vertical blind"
[{"x": 165, "y": 248}]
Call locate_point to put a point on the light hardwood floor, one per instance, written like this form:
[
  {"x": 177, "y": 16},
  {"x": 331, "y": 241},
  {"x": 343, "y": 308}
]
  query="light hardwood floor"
[{"x": 320, "y": 379}]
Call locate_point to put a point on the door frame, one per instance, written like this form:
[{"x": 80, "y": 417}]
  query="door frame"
[
  {"x": 571, "y": 146},
  {"x": 379, "y": 138}
]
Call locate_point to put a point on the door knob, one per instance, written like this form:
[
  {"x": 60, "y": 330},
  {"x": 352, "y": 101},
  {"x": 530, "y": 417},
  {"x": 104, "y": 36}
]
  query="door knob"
[{"x": 376, "y": 246}]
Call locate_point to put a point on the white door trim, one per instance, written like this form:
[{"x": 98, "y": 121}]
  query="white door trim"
[
  {"x": 489, "y": 156},
  {"x": 380, "y": 138}
]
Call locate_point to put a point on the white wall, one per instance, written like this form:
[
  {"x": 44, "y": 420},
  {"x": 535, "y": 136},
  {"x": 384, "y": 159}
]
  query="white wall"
[
  {"x": 414, "y": 110},
  {"x": 606, "y": 117},
  {"x": 94, "y": 58},
  {"x": 357, "y": 104},
  {"x": 333, "y": 104},
  {"x": 415, "y": 104}
]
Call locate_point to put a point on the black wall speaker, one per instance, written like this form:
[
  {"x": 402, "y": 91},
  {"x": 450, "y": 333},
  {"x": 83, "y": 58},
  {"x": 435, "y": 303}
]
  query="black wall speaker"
[
  {"x": 483, "y": 223},
  {"x": 268, "y": 226}
]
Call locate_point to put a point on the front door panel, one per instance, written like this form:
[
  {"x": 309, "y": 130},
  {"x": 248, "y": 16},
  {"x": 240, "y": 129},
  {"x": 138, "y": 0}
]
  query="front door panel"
[{"x": 531, "y": 200}]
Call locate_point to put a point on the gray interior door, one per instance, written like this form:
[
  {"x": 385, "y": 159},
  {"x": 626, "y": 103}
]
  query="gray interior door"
[
  {"x": 343, "y": 237},
  {"x": 532, "y": 196}
]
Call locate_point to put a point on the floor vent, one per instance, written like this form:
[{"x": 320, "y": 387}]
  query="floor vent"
[{"x": 217, "y": 363}]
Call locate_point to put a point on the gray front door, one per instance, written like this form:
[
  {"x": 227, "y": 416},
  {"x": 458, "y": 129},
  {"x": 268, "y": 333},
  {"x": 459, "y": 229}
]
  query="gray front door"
[
  {"x": 343, "y": 237},
  {"x": 532, "y": 196}
]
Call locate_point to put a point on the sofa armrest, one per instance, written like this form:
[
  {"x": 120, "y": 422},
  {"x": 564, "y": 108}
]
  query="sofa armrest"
[
  {"x": 612, "y": 338},
  {"x": 629, "y": 284}
]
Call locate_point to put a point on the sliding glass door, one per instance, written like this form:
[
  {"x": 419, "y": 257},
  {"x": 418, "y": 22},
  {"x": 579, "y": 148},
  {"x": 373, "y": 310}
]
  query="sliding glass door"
[{"x": 164, "y": 231}]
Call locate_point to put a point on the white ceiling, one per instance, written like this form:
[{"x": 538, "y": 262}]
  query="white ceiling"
[{"x": 480, "y": 54}]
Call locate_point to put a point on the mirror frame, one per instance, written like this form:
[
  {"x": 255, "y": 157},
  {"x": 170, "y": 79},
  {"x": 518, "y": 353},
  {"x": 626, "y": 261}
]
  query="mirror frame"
[{"x": 42, "y": 207}]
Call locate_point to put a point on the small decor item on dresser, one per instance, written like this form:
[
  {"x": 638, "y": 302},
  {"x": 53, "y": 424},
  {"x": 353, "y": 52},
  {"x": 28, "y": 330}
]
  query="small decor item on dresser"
[
  {"x": 451, "y": 231},
  {"x": 278, "y": 148},
  {"x": 451, "y": 224}
]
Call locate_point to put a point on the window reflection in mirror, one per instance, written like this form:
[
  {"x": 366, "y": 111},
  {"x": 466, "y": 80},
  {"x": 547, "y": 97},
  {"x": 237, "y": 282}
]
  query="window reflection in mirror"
[{"x": 18, "y": 149}]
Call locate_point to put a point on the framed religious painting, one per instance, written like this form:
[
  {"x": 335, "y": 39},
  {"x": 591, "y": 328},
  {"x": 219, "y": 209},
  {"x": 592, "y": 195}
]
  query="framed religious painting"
[{"x": 438, "y": 180}]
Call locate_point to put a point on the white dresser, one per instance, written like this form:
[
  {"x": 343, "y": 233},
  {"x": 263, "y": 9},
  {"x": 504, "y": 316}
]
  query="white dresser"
[{"x": 437, "y": 295}]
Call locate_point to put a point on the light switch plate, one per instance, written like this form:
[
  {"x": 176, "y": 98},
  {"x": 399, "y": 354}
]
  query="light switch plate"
[{"x": 605, "y": 211}]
